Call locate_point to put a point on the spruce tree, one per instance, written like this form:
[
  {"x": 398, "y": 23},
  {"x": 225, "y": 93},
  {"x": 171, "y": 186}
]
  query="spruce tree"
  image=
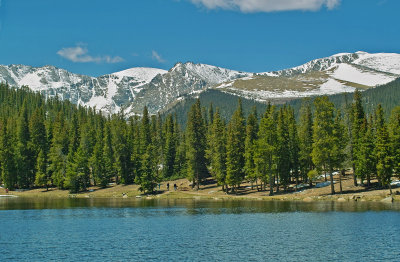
[
  {"x": 180, "y": 168},
  {"x": 218, "y": 150},
  {"x": 323, "y": 137},
  {"x": 170, "y": 147},
  {"x": 108, "y": 155},
  {"x": 265, "y": 155},
  {"x": 235, "y": 149},
  {"x": 356, "y": 121},
  {"x": 96, "y": 161},
  {"x": 38, "y": 134},
  {"x": 122, "y": 153},
  {"x": 196, "y": 145},
  {"x": 365, "y": 160},
  {"x": 145, "y": 131},
  {"x": 306, "y": 138},
  {"x": 340, "y": 143},
  {"x": 58, "y": 151},
  {"x": 384, "y": 165},
  {"x": 283, "y": 149},
  {"x": 41, "y": 178},
  {"x": 148, "y": 178},
  {"x": 24, "y": 155},
  {"x": 135, "y": 144},
  {"x": 250, "y": 146},
  {"x": 7, "y": 158},
  {"x": 294, "y": 145}
]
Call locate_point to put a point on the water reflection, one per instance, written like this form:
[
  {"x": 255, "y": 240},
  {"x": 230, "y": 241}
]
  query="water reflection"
[{"x": 196, "y": 207}]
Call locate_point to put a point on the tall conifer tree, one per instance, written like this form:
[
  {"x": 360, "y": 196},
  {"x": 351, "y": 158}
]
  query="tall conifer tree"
[
  {"x": 196, "y": 145},
  {"x": 235, "y": 148}
]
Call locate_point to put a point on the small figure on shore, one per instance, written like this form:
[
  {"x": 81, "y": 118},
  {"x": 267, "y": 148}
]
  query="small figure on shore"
[
  {"x": 175, "y": 187},
  {"x": 167, "y": 186},
  {"x": 159, "y": 186},
  {"x": 6, "y": 190}
]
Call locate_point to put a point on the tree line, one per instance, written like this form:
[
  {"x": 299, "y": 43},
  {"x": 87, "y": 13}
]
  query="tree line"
[{"x": 48, "y": 142}]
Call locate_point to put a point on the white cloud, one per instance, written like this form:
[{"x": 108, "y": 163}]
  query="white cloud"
[
  {"x": 79, "y": 54},
  {"x": 253, "y": 6},
  {"x": 157, "y": 57}
]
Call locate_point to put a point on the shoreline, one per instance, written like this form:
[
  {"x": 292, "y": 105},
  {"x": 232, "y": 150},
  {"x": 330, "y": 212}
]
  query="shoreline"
[{"x": 213, "y": 192}]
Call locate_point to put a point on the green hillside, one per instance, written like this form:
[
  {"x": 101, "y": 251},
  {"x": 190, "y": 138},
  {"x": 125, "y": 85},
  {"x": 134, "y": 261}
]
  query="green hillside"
[{"x": 388, "y": 95}]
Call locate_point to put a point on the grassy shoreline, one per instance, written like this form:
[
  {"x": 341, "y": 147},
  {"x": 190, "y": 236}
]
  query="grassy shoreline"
[{"x": 214, "y": 192}]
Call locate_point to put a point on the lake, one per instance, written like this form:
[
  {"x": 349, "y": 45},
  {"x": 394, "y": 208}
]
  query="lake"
[{"x": 197, "y": 230}]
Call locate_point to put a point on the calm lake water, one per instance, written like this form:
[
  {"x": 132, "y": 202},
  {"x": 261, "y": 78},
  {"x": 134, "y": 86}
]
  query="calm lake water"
[{"x": 194, "y": 230}]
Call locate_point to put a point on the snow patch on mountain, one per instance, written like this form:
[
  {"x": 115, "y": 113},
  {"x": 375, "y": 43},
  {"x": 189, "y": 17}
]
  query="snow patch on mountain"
[
  {"x": 352, "y": 74},
  {"x": 385, "y": 62},
  {"x": 141, "y": 74}
]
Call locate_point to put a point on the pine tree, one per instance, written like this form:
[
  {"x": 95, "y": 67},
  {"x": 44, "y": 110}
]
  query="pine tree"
[
  {"x": 148, "y": 178},
  {"x": 38, "y": 134},
  {"x": 77, "y": 170},
  {"x": 170, "y": 147},
  {"x": 24, "y": 155},
  {"x": 7, "y": 160},
  {"x": 73, "y": 135},
  {"x": 122, "y": 154},
  {"x": 58, "y": 151},
  {"x": 306, "y": 138},
  {"x": 250, "y": 145},
  {"x": 196, "y": 145},
  {"x": 135, "y": 144},
  {"x": 357, "y": 119},
  {"x": 96, "y": 161},
  {"x": 265, "y": 155},
  {"x": 218, "y": 150},
  {"x": 323, "y": 136},
  {"x": 39, "y": 147},
  {"x": 145, "y": 132},
  {"x": 41, "y": 178},
  {"x": 235, "y": 149},
  {"x": 108, "y": 155},
  {"x": 180, "y": 168},
  {"x": 365, "y": 160},
  {"x": 383, "y": 151},
  {"x": 283, "y": 149},
  {"x": 294, "y": 145},
  {"x": 340, "y": 142}
]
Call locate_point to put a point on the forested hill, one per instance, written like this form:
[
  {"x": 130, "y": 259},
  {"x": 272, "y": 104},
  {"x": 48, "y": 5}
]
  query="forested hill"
[{"x": 387, "y": 95}]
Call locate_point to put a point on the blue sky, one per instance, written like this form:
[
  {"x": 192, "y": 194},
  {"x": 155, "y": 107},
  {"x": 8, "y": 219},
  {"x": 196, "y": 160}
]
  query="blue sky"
[{"x": 102, "y": 36}]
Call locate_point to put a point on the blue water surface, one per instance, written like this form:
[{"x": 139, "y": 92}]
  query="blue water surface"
[{"x": 190, "y": 230}]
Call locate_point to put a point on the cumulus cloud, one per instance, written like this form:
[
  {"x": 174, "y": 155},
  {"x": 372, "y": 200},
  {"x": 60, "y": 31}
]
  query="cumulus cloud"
[
  {"x": 79, "y": 54},
  {"x": 157, "y": 57},
  {"x": 253, "y": 6}
]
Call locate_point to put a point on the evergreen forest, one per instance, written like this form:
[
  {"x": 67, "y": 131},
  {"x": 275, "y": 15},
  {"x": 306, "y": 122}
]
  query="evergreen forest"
[{"x": 53, "y": 143}]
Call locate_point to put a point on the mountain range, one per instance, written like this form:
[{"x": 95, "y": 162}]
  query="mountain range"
[{"x": 130, "y": 90}]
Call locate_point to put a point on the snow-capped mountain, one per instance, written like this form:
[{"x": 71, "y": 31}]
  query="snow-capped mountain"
[
  {"x": 131, "y": 89},
  {"x": 128, "y": 90},
  {"x": 331, "y": 75}
]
